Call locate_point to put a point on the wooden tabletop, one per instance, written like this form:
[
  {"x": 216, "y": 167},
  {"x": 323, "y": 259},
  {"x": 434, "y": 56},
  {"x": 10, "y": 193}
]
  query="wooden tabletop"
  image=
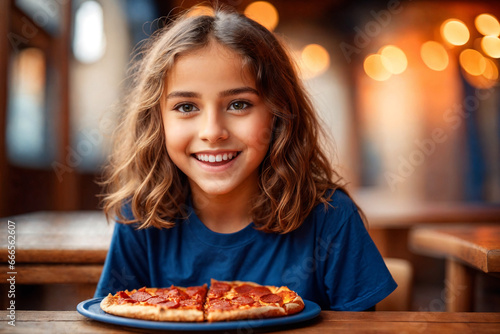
[
  {"x": 326, "y": 322},
  {"x": 478, "y": 245},
  {"x": 56, "y": 247},
  {"x": 386, "y": 210},
  {"x": 58, "y": 237}
]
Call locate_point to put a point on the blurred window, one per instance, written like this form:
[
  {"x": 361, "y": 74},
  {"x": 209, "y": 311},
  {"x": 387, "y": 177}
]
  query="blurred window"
[
  {"x": 27, "y": 129},
  {"x": 89, "y": 41}
]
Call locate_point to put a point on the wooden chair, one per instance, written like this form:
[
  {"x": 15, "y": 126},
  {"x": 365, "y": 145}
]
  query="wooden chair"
[{"x": 401, "y": 298}]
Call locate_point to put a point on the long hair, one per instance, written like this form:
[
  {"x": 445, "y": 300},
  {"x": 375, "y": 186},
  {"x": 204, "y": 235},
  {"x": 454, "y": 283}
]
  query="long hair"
[{"x": 296, "y": 174}]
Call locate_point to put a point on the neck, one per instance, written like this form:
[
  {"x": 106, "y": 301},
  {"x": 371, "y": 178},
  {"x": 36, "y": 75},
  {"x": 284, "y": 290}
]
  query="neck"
[{"x": 227, "y": 213}]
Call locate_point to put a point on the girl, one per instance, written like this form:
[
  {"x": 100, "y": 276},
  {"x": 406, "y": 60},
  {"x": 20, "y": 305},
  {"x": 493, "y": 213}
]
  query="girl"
[{"x": 218, "y": 173}]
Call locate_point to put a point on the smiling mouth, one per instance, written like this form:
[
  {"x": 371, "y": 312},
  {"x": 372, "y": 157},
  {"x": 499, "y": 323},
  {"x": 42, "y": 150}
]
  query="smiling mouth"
[{"x": 216, "y": 158}]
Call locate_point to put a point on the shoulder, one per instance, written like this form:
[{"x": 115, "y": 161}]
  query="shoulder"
[
  {"x": 339, "y": 207},
  {"x": 128, "y": 231},
  {"x": 339, "y": 212}
]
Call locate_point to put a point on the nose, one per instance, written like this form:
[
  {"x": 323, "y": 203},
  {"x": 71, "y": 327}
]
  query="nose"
[{"x": 213, "y": 128}]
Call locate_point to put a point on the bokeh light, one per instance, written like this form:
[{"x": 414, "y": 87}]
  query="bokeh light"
[
  {"x": 472, "y": 61},
  {"x": 487, "y": 25},
  {"x": 434, "y": 55},
  {"x": 491, "y": 70},
  {"x": 486, "y": 80},
  {"x": 264, "y": 13},
  {"x": 315, "y": 58},
  {"x": 455, "y": 32},
  {"x": 393, "y": 59},
  {"x": 375, "y": 68},
  {"x": 491, "y": 46}
]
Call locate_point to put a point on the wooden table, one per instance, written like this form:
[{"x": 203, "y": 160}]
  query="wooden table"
[
  {"x": 326, "y": 322},
  {"x": 386, "y": 211},
  {"x": 56, "y": 247},
  {"x": 466, "y": 247}
]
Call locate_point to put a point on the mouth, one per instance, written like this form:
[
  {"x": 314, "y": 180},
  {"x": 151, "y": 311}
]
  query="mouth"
[{"x": 216, "y": 159}]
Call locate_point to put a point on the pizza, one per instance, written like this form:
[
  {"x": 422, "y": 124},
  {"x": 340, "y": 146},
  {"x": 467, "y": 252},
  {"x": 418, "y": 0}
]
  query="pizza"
[
  {"x": 161, "y": 304},
  {"x": 224, "y": 301},
  {"x": 246, "y": 300}
]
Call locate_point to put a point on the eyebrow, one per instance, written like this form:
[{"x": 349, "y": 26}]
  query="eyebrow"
[{"x": 226, "y": 93}]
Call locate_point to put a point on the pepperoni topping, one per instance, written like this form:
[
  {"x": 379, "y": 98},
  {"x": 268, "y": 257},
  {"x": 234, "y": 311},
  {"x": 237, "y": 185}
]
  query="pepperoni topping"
[
  {"x": 169, "y": 304},
  {"x": 122, "y": 294},
  {"x": 259, "y": 291},
  {"x": 176, "y": 293},
  {"x": 271, "y": 298},
  {"x": 123, "y": 297},
  {"x": 155, "y": 300},
  {"x": 196, "y": 290},
  {"x": 221, "y": 286},
  {"x": 126, "y": 300},
  {"x": 140, "y": 296},
  {"x": 242, "y": 300},
  {"x": 189, "y": 302},
  {"x": 220, "y": 304},
  {"x": 243, "y": 289},
  {"x": 215, "y": 293},
  {"x": 161, "y": 291}
]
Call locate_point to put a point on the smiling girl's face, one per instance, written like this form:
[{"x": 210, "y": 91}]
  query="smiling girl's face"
[{"x": 217, "y": 127}]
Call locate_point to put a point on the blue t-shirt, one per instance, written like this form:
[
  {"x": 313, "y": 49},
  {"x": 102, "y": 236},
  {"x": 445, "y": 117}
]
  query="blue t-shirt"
[{"x": 330, "y": 259}]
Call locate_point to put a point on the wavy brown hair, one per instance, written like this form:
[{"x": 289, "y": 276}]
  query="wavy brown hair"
[{"x": 296, "y": 173}]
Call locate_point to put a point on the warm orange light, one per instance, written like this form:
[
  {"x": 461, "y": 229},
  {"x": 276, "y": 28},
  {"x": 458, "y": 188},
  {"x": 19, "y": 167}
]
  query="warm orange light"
[
  {"x": 264, "y": 13},
  {"x": 394, "y": 59},
  {"x": 200, "y": 11},
  {"x": 472, "y": 62},
  {"x": 455, "y": 32},
  {"x": 487, "y": 79},
  {"x": 487, "y": 25},
  {"x": 315, "y": 58},
  {"x": 375, "y": 68},
  {"x": 434, "y": 55},
  {"x": 491, "y": 70},
  {"x": 491, "y": 46}
]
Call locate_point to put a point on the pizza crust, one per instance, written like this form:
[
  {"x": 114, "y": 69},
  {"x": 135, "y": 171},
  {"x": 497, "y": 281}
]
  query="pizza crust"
[
  {"x": 295, "y": 306},
  {"x": 149, "y": 312},
  {"x": 249, "y": 313}
]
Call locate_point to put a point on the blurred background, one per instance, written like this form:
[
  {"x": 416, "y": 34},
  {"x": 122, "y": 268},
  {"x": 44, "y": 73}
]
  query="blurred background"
[{"x": 407, "y": 89}]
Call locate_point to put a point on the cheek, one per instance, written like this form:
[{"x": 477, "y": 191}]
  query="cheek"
[
  {"x": 176, "y": 138},
  {"x": 259, "y": 135}
]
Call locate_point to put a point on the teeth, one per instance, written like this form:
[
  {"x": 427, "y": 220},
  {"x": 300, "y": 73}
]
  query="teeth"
[{"x": 216, "y": 158}]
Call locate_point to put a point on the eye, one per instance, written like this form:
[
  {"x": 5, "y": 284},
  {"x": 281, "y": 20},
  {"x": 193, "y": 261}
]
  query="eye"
[
  {"x": 239, "y": 105},
  {"x": 185, "y": 108}
]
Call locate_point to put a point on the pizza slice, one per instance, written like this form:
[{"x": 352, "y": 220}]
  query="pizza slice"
[
  {"x": 233, "y": 300},
  {"x": 161, "y": 304}
]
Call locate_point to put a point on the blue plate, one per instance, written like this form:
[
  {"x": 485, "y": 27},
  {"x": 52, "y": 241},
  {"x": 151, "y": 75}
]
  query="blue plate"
[{"x": 91, "y": 309}]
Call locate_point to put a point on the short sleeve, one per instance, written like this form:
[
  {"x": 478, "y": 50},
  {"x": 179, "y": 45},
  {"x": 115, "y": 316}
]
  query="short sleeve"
[
  {"x": 126, "y": 265},
  {"x": 356, "y": 275}
]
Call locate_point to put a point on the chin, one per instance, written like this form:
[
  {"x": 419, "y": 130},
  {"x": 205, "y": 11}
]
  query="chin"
[{"x": 215, "y": 189}]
